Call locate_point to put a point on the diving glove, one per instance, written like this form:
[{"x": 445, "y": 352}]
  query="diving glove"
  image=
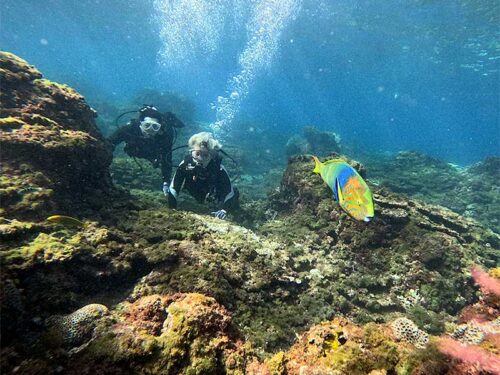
[
  {"x": 166, "y": 188},
  {"x": 221, "y": 214}
]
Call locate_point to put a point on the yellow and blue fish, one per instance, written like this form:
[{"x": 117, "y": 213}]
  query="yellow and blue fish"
[{"x": 349, "y": 189}]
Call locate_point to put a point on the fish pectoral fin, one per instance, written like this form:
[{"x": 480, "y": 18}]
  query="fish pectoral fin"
[
  {"x": 339, "y": 191},
  {"x": 317, "y": 165}
]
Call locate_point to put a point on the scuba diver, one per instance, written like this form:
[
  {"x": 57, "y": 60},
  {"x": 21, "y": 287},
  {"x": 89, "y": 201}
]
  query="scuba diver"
[
  {"x": 204, "y": 177},
  {"x": 150, "y": 137}
]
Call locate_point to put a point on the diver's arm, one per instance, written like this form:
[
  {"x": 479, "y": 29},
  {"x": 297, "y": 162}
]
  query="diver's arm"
[
  {"x": 166, "y": 168},
  {"x": 224, "y": 189},
  {"x": 121, "y": 134},
  {"x": 166, "y": 156},
  {"x": 176, "y": 185}
]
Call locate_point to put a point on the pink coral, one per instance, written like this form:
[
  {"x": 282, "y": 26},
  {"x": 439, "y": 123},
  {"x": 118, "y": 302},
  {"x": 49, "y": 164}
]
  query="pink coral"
[
  {"x": 488, "y": 284},
  {"x": 470, "y": 354}
]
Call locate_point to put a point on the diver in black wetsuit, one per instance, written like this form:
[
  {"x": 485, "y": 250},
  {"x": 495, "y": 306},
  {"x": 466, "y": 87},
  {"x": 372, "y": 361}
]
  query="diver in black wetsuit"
[
  {"x": 204, "y": 177},
  {"x": 150, "y": 137}
]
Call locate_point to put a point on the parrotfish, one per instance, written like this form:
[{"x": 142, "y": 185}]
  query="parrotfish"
[
  {"x": 349, "y": 189},
  {"x": 66, "y": 220}
]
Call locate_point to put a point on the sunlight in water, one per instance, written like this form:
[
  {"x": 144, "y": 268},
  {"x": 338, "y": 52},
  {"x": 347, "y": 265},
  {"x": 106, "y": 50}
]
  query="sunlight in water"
[
  {"x": 264, "y": 29},
  {"x": 190, "y": 30}
]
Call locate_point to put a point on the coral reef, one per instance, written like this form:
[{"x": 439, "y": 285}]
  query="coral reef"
[
  {"x": 75, "y": 328},
  {"x": 472, "y": 192},
  {"x": 287, "y": 274},
  {"x": 341, "y": 347},
  {"x": 407, "y": 260},
  {"x": 404, "y": 329},
  {"x": 192, "y": 334},
  {"x": 50, "y": 144},
  {"x": 187, "y": 293},
  {"x": 184, "y": 333}
]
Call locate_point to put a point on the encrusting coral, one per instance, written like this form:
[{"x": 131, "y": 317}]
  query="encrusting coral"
[
  {"x": 184, "y": 333},
  {"x": 404, "y": 329},
  {"x": 75, "y": 328},
  {"x": 191, "y": 294}
]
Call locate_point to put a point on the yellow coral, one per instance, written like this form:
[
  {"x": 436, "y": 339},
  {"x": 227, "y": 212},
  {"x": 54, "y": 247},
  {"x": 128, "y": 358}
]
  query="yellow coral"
[
  {"x": 495, "y": 272},
  {"x": 277, "y": 364}
]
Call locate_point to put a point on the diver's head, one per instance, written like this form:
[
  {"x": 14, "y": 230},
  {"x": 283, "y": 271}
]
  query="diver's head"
[
  {"x": 149, "y": 111},
  {"x": 150, "y": 126},
  {"x": 203, "y": 147}
]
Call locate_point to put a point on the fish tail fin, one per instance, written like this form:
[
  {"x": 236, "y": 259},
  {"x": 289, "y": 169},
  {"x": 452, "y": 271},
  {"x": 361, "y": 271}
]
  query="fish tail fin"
[{"x": 318, "y": 165}]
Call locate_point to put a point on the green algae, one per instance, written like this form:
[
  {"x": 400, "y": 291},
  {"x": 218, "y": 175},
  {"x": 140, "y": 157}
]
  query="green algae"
[
  {"x": 375, "y": 351},
  {"x": 182, "y": 347},
  {"x": 45, "y": 248},
  {"x": 11, "y": 123},
  {"x": 429, "y": 361},
  {"x": 46, "y": 84}
]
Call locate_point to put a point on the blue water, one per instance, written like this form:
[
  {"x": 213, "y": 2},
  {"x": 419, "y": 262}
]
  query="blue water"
[{"x": 386, "y": 75}]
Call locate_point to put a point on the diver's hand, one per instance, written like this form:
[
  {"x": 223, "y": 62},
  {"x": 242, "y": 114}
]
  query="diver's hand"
[
  {"x": 221, "y": 214},
  {"x": 166, "y": 188}
]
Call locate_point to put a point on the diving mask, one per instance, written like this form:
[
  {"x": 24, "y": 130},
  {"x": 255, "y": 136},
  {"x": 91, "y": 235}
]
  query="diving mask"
[
  {"x": 201, "y": 156},
  {"x": 149, "y": 126}
]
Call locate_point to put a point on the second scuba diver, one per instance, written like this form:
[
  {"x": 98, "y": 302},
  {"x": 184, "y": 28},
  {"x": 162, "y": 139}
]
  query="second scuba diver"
[
  {"x": 204, "y": 177},
  {"x": 150, "y": 137}
]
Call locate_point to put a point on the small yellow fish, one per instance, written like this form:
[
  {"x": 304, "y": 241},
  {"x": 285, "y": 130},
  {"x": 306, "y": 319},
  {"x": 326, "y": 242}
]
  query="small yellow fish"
[{"x": 66, "y": 220}]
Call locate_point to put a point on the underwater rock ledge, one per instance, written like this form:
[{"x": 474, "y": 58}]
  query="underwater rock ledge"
[
  {"x": 145, "y": 289},
  {"x": 53, "y": 155}
]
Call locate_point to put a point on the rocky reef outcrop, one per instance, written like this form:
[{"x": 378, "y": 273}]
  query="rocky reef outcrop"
[
  {"x": 183, "y": 333},
  {"x": 53, "y": 155},
  {"x": 472, "y": 192},
  {"x": 291, "y": 273},
  {"x": 189, "y": 333},
  {"x": 139, "y": 288}
]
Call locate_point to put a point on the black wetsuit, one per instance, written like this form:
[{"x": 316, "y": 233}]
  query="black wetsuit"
[
  {"x": 156, "y": 149},
  {"x": 212, "y": 181}
]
